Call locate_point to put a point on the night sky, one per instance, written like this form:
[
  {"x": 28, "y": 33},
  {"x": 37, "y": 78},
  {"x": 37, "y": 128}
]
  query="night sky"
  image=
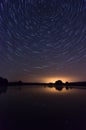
[{"x": 43, "y": 40}]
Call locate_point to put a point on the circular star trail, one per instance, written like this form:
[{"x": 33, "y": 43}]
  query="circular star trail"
[{"x": 42, "y": 37}]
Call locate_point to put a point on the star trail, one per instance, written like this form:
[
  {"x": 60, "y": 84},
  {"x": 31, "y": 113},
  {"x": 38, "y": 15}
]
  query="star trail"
[{"x": 41, "y": 39}]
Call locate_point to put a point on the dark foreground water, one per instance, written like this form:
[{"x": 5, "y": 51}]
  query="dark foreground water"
[{"x": 42, "y": 108}]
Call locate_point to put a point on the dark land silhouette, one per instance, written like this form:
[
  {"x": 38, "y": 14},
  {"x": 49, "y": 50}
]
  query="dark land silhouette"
[
  {"x": 3, "y": 82},
  {"x": 58, "y": 84},
  {"x": 3, "y": 85}
]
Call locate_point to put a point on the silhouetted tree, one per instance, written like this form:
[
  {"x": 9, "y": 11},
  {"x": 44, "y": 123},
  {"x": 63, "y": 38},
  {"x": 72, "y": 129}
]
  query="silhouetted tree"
[
  {"x": 67, "y": 83},
  {"x": 58, "y": 82},
  {"x": 3, "y": 82}
]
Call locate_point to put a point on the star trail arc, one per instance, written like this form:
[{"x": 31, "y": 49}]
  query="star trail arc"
[{"x": 39, "y": 36}]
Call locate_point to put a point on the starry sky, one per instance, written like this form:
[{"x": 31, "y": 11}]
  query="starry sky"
[{"x": 43, "y": 40}]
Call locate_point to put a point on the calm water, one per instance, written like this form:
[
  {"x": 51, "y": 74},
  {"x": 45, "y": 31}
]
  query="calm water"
[{"x": 42, "y": 108}]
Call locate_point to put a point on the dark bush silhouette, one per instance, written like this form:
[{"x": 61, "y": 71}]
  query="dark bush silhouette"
[
  {"x": 58, "y": 82},
  {"x": 66, "y": 83},
  {"x": 3, "y": 82}
]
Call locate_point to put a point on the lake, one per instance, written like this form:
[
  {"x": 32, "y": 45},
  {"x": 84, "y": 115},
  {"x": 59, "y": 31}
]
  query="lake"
[{"x": 42, "y": 108}]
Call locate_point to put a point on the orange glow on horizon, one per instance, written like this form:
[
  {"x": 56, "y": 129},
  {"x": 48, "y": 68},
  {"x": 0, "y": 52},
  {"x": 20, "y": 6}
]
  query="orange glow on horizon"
[
  {"x": 53, "y": 79},
  {"x": 48, "y": 79}
]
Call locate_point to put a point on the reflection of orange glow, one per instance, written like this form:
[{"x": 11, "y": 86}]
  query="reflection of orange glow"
[
  {"x": 53, "y": 79},
  {"x": 54, "y": 90}
]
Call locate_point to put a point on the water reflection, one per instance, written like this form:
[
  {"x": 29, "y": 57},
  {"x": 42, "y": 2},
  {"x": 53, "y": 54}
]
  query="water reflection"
[
  {"x": 3, "y": 89},
  {"x": 60, "y": 87},
  {"x": 41, "y": 89},
  {"x": 47, "y": 107}
]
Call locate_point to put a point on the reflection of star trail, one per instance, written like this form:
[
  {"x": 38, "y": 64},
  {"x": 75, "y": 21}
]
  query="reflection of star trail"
[{"x": 40, "y": 35}]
